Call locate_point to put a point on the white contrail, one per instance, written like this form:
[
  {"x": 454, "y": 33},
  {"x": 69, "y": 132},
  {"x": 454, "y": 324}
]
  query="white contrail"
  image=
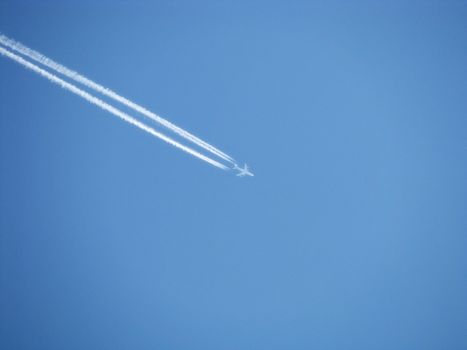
[
  {"x": 38, "y": 57},
  {"x": 105, "y": 106}
]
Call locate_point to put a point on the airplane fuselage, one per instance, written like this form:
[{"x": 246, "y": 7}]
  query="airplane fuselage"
[{"x": 243, "y": 171}]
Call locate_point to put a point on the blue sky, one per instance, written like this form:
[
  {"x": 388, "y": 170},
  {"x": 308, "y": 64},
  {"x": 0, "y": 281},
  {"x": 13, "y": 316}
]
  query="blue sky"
[{"x": 351, "y": 235}]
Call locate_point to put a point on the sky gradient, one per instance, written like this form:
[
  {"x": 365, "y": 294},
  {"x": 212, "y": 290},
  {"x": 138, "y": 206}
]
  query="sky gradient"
[{"x": 351, "y": 235}]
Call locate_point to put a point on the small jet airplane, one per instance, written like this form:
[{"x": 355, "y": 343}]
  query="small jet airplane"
[{"x": 245, "y": 171}]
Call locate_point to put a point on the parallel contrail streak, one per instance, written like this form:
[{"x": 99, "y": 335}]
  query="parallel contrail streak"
[
  {"x": 38, "y": 57},
  {"x": 105, "y": 106}
]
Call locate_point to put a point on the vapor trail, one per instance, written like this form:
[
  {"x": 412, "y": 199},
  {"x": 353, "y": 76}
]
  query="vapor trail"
[
  {"x": 38, "y": 57},
  {"x": 105, "y": 106}
]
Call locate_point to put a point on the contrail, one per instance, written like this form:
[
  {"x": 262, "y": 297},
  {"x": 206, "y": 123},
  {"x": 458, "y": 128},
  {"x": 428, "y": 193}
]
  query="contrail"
[
  {"x": 40, "y": 58},
  {"x": 105, "y": 106}
]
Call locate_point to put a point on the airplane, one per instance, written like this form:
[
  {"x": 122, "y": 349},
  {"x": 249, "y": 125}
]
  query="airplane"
[{"x": 245, "y": 171}]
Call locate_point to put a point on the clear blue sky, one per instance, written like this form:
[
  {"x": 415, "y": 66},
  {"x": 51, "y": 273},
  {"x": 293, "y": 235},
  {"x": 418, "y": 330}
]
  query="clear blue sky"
[{"x": 352, "y": 234}]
